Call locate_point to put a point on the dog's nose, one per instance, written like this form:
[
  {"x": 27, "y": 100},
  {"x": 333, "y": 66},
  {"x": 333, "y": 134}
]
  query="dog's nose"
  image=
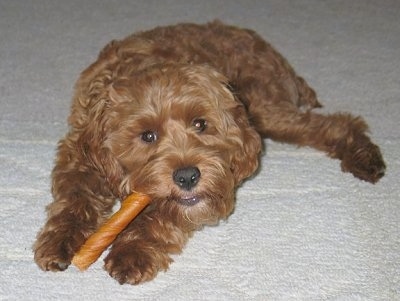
[{"x": 187, "y": 177}]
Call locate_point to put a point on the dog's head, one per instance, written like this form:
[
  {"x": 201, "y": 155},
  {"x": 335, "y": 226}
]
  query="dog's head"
[{"x": 176, "y": 133}]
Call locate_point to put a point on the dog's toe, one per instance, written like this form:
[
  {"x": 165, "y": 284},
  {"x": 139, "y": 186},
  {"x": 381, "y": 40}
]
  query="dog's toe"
[{"x": 53, "y": 263}]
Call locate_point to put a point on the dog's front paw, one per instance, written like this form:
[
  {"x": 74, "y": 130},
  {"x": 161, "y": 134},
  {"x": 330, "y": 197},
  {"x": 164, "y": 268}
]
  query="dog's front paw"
[
  {"x": 364, "y": 161},
  {"x": 50, "y": 254},
  {"x": 53, "y": 250},
  {"x": 134, "y": 265}
]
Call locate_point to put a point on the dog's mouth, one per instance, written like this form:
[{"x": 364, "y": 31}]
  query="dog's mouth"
[{"x": 188, "y": 200}]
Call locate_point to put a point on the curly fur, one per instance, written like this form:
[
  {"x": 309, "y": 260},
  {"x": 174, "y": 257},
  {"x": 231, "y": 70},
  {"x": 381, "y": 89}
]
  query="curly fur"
[{"x": 206, "y": 95}]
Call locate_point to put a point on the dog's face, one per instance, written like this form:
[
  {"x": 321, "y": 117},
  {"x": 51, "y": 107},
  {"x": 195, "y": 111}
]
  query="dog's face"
[{"x": 179, "y": 135}]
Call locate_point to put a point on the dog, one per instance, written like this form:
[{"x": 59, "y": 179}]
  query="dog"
[{"x": 180, "y": 113}]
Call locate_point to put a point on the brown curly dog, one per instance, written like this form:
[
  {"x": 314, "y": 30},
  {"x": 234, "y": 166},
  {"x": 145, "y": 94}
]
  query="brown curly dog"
[{"x": 179, "y": 113}]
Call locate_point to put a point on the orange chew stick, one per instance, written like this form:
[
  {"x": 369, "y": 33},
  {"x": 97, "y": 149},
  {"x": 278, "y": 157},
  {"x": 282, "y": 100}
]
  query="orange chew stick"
[{"x": 105, "y": 235}]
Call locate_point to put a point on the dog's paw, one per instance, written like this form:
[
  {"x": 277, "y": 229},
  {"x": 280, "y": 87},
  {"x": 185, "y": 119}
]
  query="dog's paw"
[
  {"x": 134, "y": 266},
  {"x": 50, "y": 255},
  {"x": 53, "y": 263},
  {"x": 364, "y": 161},
  {"x": 53, "y": 251}
]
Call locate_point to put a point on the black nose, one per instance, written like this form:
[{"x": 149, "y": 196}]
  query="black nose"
[{"x": 187, "y": 177}]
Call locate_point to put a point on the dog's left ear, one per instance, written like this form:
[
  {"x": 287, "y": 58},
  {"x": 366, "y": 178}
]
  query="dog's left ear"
[{"x": 245, "y": 156}]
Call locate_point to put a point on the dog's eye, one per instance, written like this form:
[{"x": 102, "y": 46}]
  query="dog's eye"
[
  {"x": 149, "y": 136},
  {"x": 200, "y": 125}
]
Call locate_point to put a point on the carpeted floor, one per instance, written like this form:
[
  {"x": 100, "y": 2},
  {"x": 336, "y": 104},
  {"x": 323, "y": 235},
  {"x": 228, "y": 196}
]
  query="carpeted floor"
[{"x": 302, "y": 230}]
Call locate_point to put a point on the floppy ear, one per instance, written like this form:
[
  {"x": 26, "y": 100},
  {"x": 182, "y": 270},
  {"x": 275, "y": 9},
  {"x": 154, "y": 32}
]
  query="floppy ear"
[
  {"x": 99, "y": 158},
  {"x": 88, "y": 122},
  {"x": 245, "y": 156}
]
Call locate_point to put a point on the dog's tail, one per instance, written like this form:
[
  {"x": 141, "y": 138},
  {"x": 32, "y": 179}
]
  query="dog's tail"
[{"x": 307, "y": 97}]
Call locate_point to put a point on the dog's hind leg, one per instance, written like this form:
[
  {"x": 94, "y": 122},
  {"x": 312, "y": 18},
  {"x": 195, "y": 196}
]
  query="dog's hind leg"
[
  {"x": 340, "y": 135},
  {"x": 278, "y": 109}
]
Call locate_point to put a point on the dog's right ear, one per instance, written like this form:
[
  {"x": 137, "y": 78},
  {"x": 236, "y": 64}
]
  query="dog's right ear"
[{"x": 88, "y": 119}]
